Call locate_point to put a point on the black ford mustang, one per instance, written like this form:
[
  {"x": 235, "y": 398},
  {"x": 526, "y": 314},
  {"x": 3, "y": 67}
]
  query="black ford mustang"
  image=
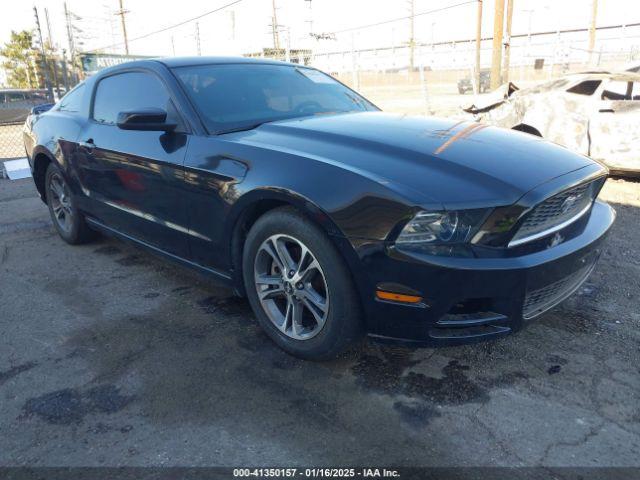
[{"x": 332, "y": 217}]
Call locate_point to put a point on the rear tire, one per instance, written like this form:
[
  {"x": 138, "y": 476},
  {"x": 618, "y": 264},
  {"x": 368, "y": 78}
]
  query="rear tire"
[
  {"x": 66, "y": 217},
  {"x": 310, "y": 308}
]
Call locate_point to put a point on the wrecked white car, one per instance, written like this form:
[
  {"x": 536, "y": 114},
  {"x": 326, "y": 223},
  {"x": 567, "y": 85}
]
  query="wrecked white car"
[{"x": 597, "y": 114}]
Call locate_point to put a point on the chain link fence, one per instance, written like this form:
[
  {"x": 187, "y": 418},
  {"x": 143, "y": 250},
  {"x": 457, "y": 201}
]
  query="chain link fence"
[
  {"x": 11, "y": 144},
  {"x": 437, "y": 78},
  {"x": 15, "y": 105},
  {"x": 423, "y": 78}
]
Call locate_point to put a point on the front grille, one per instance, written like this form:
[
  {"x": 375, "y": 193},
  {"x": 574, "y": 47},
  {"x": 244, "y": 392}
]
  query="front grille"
[
  {"x": 556, "y": 212},
  {"x": 539, "y": 301}
]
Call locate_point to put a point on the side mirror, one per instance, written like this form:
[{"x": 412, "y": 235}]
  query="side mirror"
[
  {"x": 44, "y": 107},
  {"x": 148, "y": 119}
]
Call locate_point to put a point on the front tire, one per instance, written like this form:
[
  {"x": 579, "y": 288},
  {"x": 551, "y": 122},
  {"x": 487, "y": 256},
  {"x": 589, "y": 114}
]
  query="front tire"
[
  {"x": 299, "y": 286},
  {"x": 67, "y": 219}
]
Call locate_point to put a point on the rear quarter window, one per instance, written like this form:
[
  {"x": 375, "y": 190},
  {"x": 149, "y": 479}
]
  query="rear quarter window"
[
  {"x": 617, "y": 90},
  {"x": 588, "y": 87},
  {"x": 72, "y": 101}
]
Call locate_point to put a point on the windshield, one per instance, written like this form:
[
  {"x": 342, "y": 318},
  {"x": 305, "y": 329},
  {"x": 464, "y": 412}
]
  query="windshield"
[
  {"x": 240, "y": 96},
  {"x": 556, "y": 84}
]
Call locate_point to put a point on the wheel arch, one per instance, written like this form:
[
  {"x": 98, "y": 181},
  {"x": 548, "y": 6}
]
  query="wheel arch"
[
  {"x": 41, "y": 160},
  {"x": 257, "y": 203}
]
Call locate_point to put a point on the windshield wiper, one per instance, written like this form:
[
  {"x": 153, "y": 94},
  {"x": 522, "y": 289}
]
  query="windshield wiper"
[
  {"x": 251, "y": 126},
  {"x": 356, "y": 100},
  {"x": 243, "y": 128}
]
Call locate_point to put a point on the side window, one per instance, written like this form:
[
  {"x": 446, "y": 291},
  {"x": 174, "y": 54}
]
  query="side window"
[
  {"x": 588, "y": 87},
  {"x": 72, "y": 101},
  {"x": 15, "y": 97},
  {"x": 131, "y": 91},
  {"x": 617, "y": 90}
]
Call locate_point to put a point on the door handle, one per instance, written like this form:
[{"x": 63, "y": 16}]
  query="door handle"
[
  {"x": 89, "y": 145},
  {"x": 606, "y": 110}
]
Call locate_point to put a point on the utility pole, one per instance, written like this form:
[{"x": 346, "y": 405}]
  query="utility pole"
[
  {"x": 72, "y": 48},
  {"x": 198, "y": 39},
  {"x": 122, "y": 12},
  {"x": 65, "y": 76},
  {"x": 592, "y": 29},
  {"x": 232, "y": 14},
  {"x": 496, "y": 59},
  {"x": 355, "y": 77},
  {"x": 274, "y": 27},
  {"x": 45, "y": 68},
  {"x": 478, "y": 45},
  {"x": 287, "y": 52},
  {"x": 310, "y": 17},
  {"x": 55, "y": 63},
  {"x": 507, "y": 42},
  {"x": 412, "y": 43}
]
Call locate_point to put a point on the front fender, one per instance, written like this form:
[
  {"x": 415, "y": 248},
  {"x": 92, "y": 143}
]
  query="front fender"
[
  {"x": 279, "y": 195},
  {"x": 244, "y": 210}
]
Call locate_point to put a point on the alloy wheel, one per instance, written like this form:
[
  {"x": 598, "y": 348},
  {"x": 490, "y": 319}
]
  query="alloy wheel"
[
  {"x": 61, "y": 202},
  {"x": 291, "y": 286}
]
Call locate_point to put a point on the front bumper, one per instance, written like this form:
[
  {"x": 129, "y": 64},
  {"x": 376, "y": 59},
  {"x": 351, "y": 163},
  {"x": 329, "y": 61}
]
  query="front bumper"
[{"x": 474, "y": 299}]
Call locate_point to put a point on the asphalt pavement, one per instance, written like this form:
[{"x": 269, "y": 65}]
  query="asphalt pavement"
[{"x": 110, "y": 356}]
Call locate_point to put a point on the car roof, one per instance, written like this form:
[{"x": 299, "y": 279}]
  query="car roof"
[
  {"x": 619, "y": 75},
  {"x": 174, "y": 62}
]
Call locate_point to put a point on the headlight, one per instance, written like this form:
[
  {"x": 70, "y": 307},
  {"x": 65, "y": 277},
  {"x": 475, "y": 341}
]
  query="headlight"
[{"x": 442, "y": 228}]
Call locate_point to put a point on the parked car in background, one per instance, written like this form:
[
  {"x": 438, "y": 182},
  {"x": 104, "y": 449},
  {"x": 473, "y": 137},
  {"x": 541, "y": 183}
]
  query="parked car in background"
[
  {"x": 16, "y": 104},
  {"x": 596, "y": 114},
  {"x": 466, "y": 85},
  {"x": 333, "y": 218}
]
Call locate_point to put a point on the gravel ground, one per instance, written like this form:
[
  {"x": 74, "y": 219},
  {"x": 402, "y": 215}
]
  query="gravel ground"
[{"x": 109, "y": 356}]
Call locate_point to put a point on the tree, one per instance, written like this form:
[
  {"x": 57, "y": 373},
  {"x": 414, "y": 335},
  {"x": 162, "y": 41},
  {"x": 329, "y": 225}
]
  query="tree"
[{"x": 19, "y": 60}]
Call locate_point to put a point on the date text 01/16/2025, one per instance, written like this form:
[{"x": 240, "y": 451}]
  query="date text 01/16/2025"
[{"x": 315, "y": 473}]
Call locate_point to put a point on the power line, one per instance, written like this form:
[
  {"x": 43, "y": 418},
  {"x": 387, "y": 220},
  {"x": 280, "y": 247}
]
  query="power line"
[
  {"x": 169, "y": 27},
  {"x": 487, "y": 39},
  {"x": 435, "y": 10}
]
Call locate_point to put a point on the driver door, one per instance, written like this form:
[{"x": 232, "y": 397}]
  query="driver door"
[{"x": 133, "y": 179}]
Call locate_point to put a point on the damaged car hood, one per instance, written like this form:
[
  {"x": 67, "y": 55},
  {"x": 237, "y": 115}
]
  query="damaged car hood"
[
  {"x": 426, "y": 159},
  {"x": 491, "y": 100}
]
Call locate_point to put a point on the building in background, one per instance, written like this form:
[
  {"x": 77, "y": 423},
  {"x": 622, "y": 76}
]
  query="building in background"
[
  {"x": 90, "y": 63},
  {"x": 294, "y": 55}
]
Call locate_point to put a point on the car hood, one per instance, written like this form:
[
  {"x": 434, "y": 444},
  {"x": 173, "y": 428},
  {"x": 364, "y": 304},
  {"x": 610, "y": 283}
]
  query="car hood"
[
  {"x": 457, "y": 164},
  {"x": 492, "y": 99}
]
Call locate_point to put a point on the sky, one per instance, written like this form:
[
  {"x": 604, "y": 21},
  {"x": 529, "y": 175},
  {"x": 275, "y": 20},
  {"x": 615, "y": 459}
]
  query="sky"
[{"x": 245, "y": 26}]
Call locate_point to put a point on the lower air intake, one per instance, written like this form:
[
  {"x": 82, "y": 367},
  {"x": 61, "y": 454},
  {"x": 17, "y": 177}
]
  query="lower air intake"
[{"x": 539, "y": 301}]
